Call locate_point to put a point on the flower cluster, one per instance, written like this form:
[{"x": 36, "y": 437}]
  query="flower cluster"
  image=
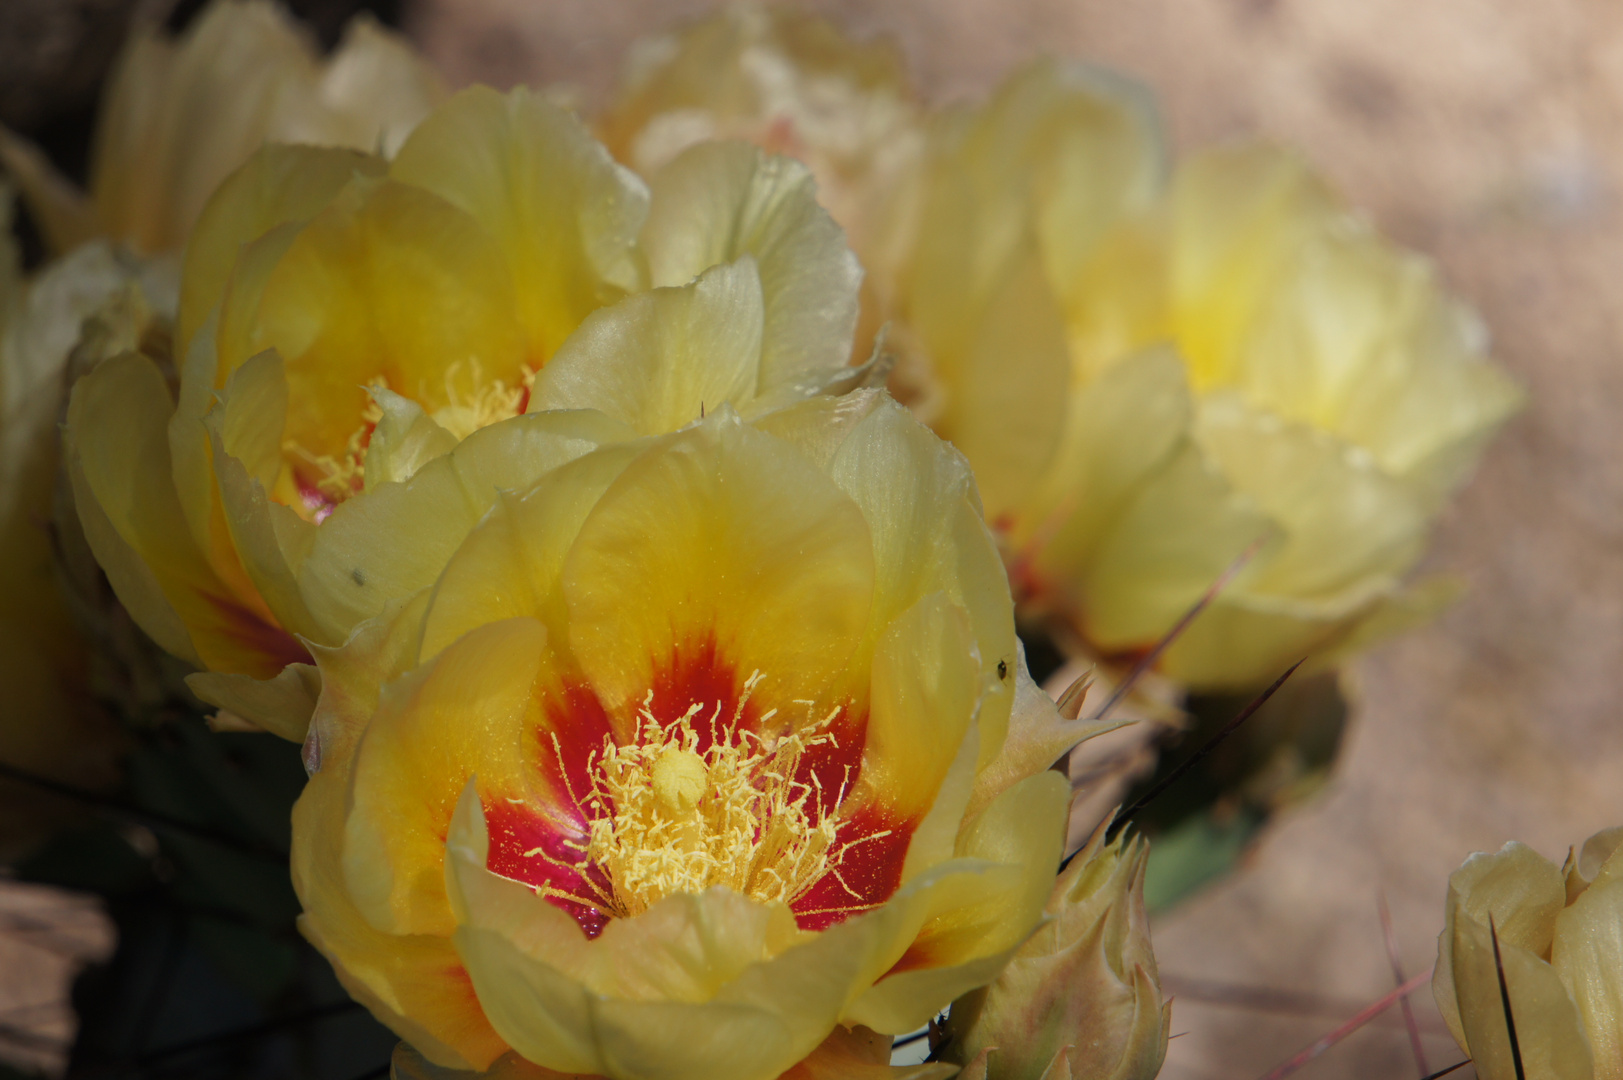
[
  {"x": 1152, "y": 370},
  {"x": 655, "y": 668}
]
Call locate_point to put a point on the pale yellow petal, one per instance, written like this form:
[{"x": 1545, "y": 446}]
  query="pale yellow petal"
[
  {"x": 1588, "y": 955},
  {"x": 928, "y": 535},
  {"x": 511, "y": 565},
  {"x": 281, "y": 705},
  {"x": 278, "y": 184},
  {"x": 1006, "y": 409},
  {"x": 720, "y": 201},
  {"x": 1238, "y": 215},
  {"x": 1549, "y": 1033},
  {"x": 566, "y": 217},
  {"x": 1524, "y": 893},
  {"x": 414, "y": 984},
  {"x": 1184, "y": 526},
  {"x": 349, "y": 576},
  {"x": 405, "y": 439},
  {"x": 118, "y": 452},
  {"x": 659, "y": 360},
  {"x": 1119, "y": 430},
  {"x": 925, "y": 690}
]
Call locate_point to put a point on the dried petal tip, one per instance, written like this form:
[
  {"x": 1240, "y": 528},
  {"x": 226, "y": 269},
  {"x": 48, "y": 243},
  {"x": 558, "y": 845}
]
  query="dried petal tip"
[{"x": 1082, "y": 997}]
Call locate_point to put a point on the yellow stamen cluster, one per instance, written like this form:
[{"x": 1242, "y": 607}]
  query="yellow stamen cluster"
[
  {"x": 668, "y": 818},
  {"x": 337, "y": 478},
  {"x": 491, "y": 402}
]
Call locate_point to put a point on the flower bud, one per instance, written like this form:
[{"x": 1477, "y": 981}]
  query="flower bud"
[
  {"x": 1556, "y": 934},
  {"x": 1082, "y": 997}
]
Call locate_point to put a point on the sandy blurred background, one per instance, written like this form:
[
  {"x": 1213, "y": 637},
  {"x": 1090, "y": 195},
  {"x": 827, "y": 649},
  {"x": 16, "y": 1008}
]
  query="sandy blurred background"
[{"x": 1488, "y": 133}]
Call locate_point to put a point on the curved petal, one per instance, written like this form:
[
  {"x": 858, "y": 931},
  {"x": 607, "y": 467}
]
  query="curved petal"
[
  {"x": 118, "y": 453},
  {"x": 413, "y": 984},
  {"x": 978, "y": 922},
  {"x": 720, "y": 201},
  {"x": 919, "y": 500},
  {"x": 565, "y": 215},
  {"x": 1520, "y": 889},
  {"x": 419, "y": 752},
  {"x": 278, "y": 184},
  {"x": 1549, "y": 1033},
  {"x": 1588, "y": 955},
  {"x": 925, "y": 690},
  {"x": 353, "y": 568},
  {"x": 512, "y": 564},
  {"x": 659, "y": 360}
]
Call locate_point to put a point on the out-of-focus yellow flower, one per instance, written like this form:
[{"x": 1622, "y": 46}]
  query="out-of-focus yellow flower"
[
  {"x": 700, "y": 746},
  {"x": 1560, "y": 937},
  {"x": 1148, "y": 378},
  {"x": 50, "y": 725},
  {"x": 368, "y": 351},
  {"x": 1082, "y": 998},
  {"x": 179, "y": 116},
  {"x": 793, "y": 83}
]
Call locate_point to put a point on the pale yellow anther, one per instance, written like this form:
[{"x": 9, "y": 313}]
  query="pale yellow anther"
[
  {"x": 669, "y": 818},
  {"x": 679, "y": 781}
]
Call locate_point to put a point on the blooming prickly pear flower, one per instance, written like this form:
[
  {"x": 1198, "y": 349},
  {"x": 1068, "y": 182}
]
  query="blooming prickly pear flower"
[
  {"x": 702, "y": 746},
  {"x": 370, "y": 350},
  {"x": 1150, "y": 379},
  {"x": 1558, "y": 933},
  {"x": 792, "y": 83},
  {"x": 179, "y": 116},
  {"x": 1082, "y": 997}
]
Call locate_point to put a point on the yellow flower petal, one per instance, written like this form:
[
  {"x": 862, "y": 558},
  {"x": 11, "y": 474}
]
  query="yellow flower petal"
[
  {"x": 1522, "y": 891},
  {"x": 413, "y": 757},
  {"x": 1549, "y": 1033},
  {"x": 659, "y": 360},
  {"x": 718, "y": 202},
  {"x": 564, "y": 215},
  {"x": 278, "y": 184},
  {"x": 1588, "y": 955}
]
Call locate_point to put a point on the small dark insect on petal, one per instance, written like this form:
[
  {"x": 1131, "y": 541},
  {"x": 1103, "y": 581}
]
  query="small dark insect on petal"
[{"x": 1002, "y": 669}]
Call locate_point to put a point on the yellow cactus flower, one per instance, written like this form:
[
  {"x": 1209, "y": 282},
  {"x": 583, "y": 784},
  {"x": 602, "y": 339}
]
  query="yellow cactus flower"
[
  {"x": 792, "y": 83},
  {"x": 1082, "y": 998},
  {"x": 699, "y": 747},
  {"x": 1149, "y": 377},
  {"x": 369, "y": 350},
  {"x": 1559, "y": 934},
  {"x": 50, "y": 725},
  {"x": 179, "y": 116}
]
